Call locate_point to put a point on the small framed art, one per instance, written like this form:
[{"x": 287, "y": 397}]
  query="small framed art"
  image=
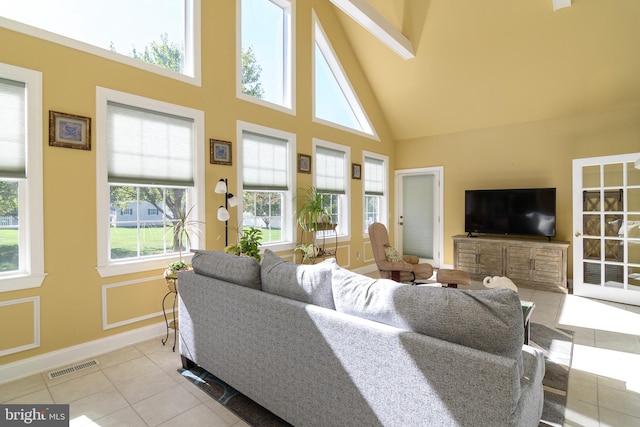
[
  {"x": 356, "y": 171},
  {"x": 304, "y": 163},
  {"x": 69, "y": 131},
  {"x": 220, "y": 152}
]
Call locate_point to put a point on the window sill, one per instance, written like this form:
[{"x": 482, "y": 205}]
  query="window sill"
[
  {"x": 19, "y": 282},
  {"x": 137, "y": 266}
]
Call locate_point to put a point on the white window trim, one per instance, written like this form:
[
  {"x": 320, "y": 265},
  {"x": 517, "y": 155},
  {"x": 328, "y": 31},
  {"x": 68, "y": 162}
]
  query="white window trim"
[
  {"x": 289, "y": 233},
  {"x": 343, "y": 82},
  {"x": 290, "y": 61},
  {"x": 192, "y": 38},
  {"x": 344, "y": 223},
  {"x": 31, "y": 190},
  {"x": 384, "y": 210},
  {"x": 103, "y": 95}
]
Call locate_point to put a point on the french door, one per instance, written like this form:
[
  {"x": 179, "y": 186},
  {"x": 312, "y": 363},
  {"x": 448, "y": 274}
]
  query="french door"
[
  {"x": 419, "y": 209},
  {"x": 606, "y": 219}
]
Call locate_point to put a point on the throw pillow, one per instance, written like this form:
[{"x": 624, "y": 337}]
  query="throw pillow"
[
  {"x": 392, "y": 254},
  {"x": 241, "y": 270},
  {"x": 487, "y": 320},
  {"x": 308, "y": 283}
]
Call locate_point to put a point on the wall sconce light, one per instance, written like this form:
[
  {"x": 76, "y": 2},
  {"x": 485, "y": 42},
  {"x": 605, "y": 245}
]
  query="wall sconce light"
[{"x": 223, "y": 211}]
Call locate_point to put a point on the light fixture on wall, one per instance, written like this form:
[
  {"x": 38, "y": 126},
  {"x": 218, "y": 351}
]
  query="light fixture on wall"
[{"x": 223, "y": 211}]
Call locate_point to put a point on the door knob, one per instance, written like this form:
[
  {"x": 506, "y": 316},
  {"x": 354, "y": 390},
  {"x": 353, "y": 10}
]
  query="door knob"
[{"x": 578, "y": 234}]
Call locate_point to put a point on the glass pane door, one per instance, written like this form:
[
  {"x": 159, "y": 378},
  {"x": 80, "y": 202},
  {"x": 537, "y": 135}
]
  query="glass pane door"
[{"x": 607, "y": 221}]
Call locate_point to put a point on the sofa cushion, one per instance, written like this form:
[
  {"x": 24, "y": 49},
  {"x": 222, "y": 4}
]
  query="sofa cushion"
[
  {"x": 241, "y": 270},
  {"x": 309, "y": 283},
  {"x": 487, "y": 320}
]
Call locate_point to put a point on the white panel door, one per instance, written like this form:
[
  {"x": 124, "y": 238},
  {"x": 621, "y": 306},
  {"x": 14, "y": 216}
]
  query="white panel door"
[{"x": 606, "y": 219}]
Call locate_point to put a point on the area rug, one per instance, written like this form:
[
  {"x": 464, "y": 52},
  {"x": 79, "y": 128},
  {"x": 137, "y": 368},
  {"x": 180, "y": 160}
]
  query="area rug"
[
  {"x": 557, "y": 346},
  {"x": 245, "y": 408}
]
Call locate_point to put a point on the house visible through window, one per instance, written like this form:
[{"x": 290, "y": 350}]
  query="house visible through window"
[
  {"x": 266, "y": 51},
  {"x": 21, "y": 245},
  {"x": 151, "y": 174},
  {"x": 266, "y": 177}
]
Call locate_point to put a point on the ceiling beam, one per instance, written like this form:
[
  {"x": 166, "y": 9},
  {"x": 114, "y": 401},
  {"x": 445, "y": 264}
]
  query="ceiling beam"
[{"x": 361, "y": 12}]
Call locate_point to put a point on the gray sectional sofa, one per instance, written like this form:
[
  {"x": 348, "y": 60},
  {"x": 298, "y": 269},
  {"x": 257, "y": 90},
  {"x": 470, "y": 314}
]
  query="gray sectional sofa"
[{"x": 319, "y": 345}]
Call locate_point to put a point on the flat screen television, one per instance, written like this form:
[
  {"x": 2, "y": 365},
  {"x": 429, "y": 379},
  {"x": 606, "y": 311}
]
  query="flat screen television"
[{"x": 518, "y": 212}]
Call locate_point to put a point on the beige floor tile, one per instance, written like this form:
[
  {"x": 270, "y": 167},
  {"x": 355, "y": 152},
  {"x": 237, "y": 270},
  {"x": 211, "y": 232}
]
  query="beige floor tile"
[
  {"x": 146, "y": 385},
  {"x": 130, "y": 369},
  {"x": 166, "y": 405},
  {"x": 580, "y": 414},
  {"x": 119, "y": 356},
  {"x": 609, "y": 418},
  {"x": 22, "y": 387},
  {"x": 201, "y": 415},
  {"x": 123, "y": 417},
  {"x": 79, "y": 387},
  {"x": 585, "y": 391},
  {"x": 619, "y": 401},
  {"x": 96, "y": 406},
  {"x": 42, "y": 397}
]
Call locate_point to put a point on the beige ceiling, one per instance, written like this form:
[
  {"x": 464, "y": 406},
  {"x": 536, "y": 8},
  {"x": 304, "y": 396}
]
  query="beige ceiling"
[{"x": 487, "y": 63}]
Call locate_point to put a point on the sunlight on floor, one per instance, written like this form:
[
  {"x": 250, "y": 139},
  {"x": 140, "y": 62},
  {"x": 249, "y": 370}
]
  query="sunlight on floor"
[
  {"x": 587, "y": 313},
  {"x": 612, "y": 364}
]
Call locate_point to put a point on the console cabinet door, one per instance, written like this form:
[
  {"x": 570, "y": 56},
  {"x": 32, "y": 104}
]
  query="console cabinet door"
[
  {"x": 490, "y": 259},
  {"x": 519, "y": 262},
  {"x": 548, "y": 265},
  {"x": 480, "y": 258}
]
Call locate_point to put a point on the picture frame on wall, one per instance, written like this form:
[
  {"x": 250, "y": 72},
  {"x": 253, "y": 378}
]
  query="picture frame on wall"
[
  {"x": 304, "y": 163},
  {"x": 356, "y": 171},
  {"x": 69, "y": 131},
  {"x": 220, "y": 152}
]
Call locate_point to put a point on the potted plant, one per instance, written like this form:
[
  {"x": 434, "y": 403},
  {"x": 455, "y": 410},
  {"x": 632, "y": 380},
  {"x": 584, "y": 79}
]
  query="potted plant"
[
  {"x": 312, "y": 211},
  {"x": 248, "y": 243},
  {"x": 181, "y": 230}
]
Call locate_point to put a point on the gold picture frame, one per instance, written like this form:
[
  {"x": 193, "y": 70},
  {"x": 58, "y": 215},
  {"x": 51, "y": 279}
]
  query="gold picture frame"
[
  {"x": 69, "y": 131},
  {"x": 220, "y": 152},
  {"x": 304, "y": 163},
  {"x": 356, "y": 171}
]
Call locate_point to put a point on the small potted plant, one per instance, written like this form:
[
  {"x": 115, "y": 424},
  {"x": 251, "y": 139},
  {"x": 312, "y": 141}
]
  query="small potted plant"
[
  {"x": 248, "y": 243},
  {"x": 181, "y": 230}
]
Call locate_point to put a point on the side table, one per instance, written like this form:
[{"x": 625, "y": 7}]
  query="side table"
[
  {"x": 172, "y": 284},
  {"x": 527, "y": 309}
]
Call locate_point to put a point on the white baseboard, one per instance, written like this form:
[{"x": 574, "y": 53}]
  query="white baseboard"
[
  {"x": 68, "y": 356},
  {"x": 366, "y": 269}
]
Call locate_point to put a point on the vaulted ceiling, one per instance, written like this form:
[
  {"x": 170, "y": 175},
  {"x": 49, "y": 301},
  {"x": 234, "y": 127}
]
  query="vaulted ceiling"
[{"x": 488, "y": 63}]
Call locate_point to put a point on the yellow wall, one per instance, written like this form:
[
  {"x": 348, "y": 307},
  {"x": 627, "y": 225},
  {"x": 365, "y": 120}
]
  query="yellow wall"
[
  {"x": 73, "y": 295},
  {"x": 535, "y": 154}
]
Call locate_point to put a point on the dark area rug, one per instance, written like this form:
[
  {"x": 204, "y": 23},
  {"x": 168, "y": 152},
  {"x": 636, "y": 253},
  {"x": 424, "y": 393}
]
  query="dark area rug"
[
  {"x": 250, "y": 412},
  {"x": 557, "y": 345}
]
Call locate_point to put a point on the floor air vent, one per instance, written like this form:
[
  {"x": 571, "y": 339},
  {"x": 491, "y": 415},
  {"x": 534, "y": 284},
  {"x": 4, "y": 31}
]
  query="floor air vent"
[{"x": 74, "y": 368}]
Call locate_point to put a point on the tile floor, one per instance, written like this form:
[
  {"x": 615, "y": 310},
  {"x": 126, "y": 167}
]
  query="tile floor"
[{"x": 139, "y": 385}]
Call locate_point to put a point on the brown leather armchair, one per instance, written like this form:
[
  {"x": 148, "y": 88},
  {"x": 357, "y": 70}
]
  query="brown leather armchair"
[{"x": 410, "y": 269}]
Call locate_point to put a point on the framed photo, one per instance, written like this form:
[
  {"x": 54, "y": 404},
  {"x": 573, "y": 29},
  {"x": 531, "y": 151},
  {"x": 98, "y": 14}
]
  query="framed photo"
[
  {"x": 356, "y": 171},
  {"x": 69, "y": 131},
  {"x": 220, "y": 152},
  {"x": 304, "y": 163}
]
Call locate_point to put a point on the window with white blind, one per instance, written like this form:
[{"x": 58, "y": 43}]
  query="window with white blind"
[
  {"x": 266, "y": 183},
  {"x": 375, "y": 189},
  {"x": 148, "y": 178},
  {"x": 21, "y": 214},
  {"x": 331, "y": 172}
]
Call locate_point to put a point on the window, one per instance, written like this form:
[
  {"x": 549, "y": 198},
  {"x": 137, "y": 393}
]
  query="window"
[
  {"x": 265, "y": 71},
  {"x": 21, "y": 207},
  {"x": 267, "y": 180},
  {"x": 331, "y": 172},
  {"x": 335, "y": 101},
  {"x": 162, "y": 34},
  {"x": 375, "y": 189},
  {"x": 147, "y": 164}
]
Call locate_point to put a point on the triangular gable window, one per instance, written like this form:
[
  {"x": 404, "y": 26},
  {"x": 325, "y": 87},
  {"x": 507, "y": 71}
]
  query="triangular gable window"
[{"x": 334, "y": 98}]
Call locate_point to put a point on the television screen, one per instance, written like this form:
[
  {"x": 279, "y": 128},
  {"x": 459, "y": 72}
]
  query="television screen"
[{"x": 521, "y": 212}]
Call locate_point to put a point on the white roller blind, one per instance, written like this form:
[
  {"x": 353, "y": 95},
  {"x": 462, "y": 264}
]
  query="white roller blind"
[
  {"x": 264, "y": 162},
  {"x": 330, "y": 170},
  {"x": 12, "y": 129},
  {"x": 373, "y": 177},
  {"x": 149, "y": 147}
]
